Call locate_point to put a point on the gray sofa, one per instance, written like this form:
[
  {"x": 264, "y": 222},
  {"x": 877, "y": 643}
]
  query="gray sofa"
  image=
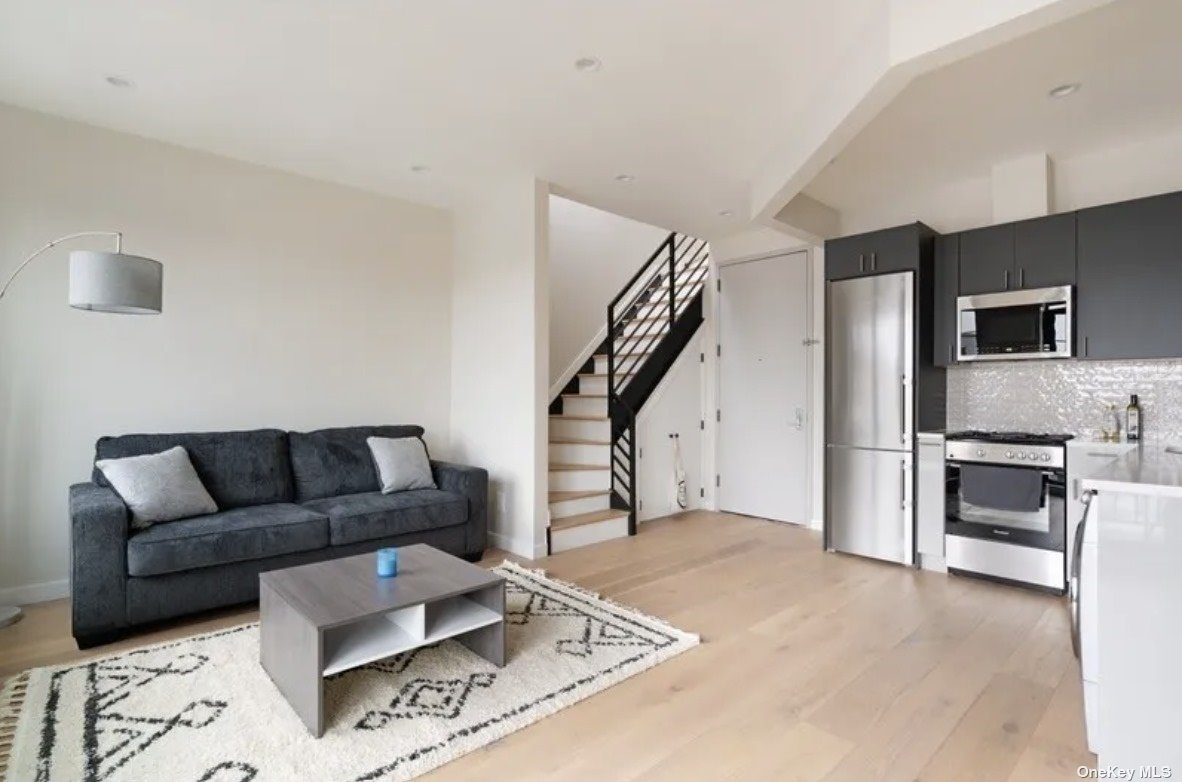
[{"x": 284, "y": 498}]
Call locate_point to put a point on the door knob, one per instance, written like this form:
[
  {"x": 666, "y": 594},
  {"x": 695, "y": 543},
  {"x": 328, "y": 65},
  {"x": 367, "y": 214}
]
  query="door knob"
[{"x": 799, "y": 424}]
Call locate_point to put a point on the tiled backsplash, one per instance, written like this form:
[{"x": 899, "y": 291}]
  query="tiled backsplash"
[{"x": 1065, "y": 396}]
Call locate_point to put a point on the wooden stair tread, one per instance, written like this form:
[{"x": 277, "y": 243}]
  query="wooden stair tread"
[
  {"x": 604, "y": 374},
  {"x": 580, "y": 519},
  {"x": 585, "y": 396},
  {"x": 566, "y": 496},
  {"x": 576, "y": 441},
  {"x": 581, "y": 417},
  {"x": 563, "y": 467}
]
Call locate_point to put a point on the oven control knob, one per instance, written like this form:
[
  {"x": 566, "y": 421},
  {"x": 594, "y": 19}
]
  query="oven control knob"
[
  {"x": 1033, "y": 456},
  {"x": 1021, "y": 455},
  {"x": 1009, "y": 454},
  {"x": 980, "y": 452},
  {"x": 1046, "y": 457}
]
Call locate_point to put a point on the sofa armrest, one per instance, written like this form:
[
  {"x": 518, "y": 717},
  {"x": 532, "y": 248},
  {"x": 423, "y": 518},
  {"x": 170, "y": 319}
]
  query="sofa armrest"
[
  {"x": 98, "y": 561},
  {"x": 471, "y": 482}
]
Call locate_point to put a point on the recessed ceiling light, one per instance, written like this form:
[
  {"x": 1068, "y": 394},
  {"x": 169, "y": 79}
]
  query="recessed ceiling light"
[
  {"x": 726, "y": 213},
  {"x": 120, "y": 82},
  {"x": 624, "y": 177},
  {"x": 587, "y": 64},
  {"x": 420, "y": 168},
  {"x": 1063, "y": 90}
]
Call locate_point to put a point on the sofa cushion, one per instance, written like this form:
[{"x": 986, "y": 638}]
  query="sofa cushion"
[
  {"x": 332, "y": 462},
  {"x": 358, "y": 517},
  {"x": 238, "y": 469},
  {"x": 235, "y": 535}
]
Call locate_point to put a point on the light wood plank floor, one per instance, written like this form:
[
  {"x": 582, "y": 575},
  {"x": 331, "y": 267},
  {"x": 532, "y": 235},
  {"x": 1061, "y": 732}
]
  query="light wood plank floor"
[{"x": 813, "y": 666}]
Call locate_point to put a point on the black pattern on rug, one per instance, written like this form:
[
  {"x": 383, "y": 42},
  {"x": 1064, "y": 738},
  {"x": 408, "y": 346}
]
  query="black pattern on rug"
[{"x": 114, "y": 734}]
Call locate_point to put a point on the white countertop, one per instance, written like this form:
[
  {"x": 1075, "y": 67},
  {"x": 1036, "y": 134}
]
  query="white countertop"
[{"x": 1147, "y": 470}]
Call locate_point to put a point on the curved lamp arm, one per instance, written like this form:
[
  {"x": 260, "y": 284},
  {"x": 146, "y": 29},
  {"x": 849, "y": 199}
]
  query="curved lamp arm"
[{"x": 118, "y": 248}]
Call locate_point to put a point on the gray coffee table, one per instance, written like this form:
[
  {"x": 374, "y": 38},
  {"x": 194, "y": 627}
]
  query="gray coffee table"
[{"x": 327, "y": 617}]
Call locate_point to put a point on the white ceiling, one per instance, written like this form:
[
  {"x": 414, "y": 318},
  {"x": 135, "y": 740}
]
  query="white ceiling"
[
  {"x": 692, "y": 96},
  {"x": 951, "y": 125}
]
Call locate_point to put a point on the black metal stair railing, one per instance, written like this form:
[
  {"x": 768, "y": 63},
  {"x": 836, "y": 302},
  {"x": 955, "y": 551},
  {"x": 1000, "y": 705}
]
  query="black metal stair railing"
[{"x": 648, "y": 323}]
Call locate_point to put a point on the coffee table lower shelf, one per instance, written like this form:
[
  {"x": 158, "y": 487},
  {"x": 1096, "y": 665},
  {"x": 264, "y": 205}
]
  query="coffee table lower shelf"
[{"x": 366, "y": 641}]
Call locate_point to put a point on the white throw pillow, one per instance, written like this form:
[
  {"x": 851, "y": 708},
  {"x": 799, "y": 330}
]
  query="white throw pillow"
[
  {"x": 158, "y": 486},
  {"x": 402, "y": 463}
]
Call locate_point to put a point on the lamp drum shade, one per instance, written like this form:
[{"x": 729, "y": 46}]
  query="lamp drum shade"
[{"x": 115, "y": 282}]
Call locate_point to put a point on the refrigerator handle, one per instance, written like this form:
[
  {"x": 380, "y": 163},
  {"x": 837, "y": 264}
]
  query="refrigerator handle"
[{"x": 904, "y": 410}]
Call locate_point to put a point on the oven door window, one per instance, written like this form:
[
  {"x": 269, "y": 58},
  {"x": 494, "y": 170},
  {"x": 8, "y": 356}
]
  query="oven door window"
[{"x": 1020, "y": 505}]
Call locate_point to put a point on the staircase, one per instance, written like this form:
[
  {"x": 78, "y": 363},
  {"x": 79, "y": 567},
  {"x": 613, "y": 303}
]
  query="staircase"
[{"x": 593, "y": 421}]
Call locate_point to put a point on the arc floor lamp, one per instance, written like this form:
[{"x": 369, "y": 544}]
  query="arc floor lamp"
[{"x": 102, "y": 282}]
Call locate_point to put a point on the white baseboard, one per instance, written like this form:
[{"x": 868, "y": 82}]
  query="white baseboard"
[
  {"x": 522, "y": 548},
  {"x": 816, "y": 524},
  {"x": 34, "y": 593}
]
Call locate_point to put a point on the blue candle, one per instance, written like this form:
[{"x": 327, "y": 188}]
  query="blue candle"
[{"x": 387, "y": 562}]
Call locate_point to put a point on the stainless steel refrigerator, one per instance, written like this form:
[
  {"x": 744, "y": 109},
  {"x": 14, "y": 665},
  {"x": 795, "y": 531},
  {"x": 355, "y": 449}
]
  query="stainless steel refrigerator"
[{"x": 870, "y": 418}]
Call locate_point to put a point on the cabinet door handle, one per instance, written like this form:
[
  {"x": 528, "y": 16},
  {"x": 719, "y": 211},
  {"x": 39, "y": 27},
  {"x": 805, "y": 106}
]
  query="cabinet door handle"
[
  {"x": 1007, "y": 279},
  {"x": 1085, "y": 346},
  {"x": 1073, "y": 585},
  {"x": 861, "y": 262},
  {"x": 874, "y": 262},
  {"x": 951, "y": 360},
  {"x": 1021, "y": 278}
]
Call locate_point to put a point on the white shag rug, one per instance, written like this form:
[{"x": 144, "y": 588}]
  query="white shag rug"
[{"x": 202, "y": 709}]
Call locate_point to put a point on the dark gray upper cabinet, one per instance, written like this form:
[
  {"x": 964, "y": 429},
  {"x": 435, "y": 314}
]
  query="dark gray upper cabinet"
[
  {"x": 946, "y": 281},
  {"x": 877, "y": 252},
  {"x": 1129, "y": 295},
  {"x": 1044, "y": 252},
  {"x": 1038, "y": 253},
  {"x": 845, "y": 258},
  {"x": 987, "y": 260}
]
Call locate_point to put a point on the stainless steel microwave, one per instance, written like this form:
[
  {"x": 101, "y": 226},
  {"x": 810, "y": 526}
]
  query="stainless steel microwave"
[{"x": 1015, "y": 325}]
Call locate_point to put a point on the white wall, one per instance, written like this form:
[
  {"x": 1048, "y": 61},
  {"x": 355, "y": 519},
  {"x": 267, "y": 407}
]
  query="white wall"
[
  {"x": 1141, "y": 167},
  {"x": 593, "y": 253},
  {"x": 499, "y": 348},
  {"x": 674, "y": 407},
  {"x": 287, "y": 303}
]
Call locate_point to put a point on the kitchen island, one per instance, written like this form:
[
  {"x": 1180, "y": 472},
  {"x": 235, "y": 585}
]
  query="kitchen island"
[{"x": 1130, "y": 590}]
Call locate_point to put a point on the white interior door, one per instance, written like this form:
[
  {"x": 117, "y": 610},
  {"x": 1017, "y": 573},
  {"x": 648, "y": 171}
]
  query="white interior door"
[{"x": 763, "y": 446}]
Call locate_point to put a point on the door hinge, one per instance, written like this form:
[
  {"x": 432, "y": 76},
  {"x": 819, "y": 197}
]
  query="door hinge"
[
  {"x": 701, "y": 358},
  {"x": 702, "y": 424},
  {"x": 640, "y": 505},
  {"x": 640, "y": 455},
  {"x": 717, "y": 481},
  {"x": 702, "y": 493},
  {"x": 718, "y": 350},
  {"x": 718, "y": 415},
  {"x": 719, "y": 282}
]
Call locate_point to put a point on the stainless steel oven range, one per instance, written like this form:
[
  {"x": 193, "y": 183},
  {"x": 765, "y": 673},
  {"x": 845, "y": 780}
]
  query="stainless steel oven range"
[{"x": 1006, "y": 507}]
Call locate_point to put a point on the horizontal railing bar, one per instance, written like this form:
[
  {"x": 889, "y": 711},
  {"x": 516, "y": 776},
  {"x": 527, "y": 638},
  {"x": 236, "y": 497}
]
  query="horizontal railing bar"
[{"x": 658, "y": 253}]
